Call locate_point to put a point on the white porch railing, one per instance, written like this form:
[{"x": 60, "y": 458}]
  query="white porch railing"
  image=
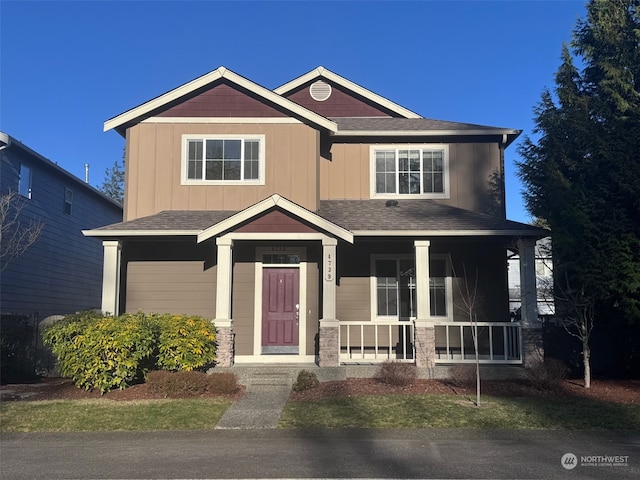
[
  {"x": 498, "y": 342},
  {"x": 376, "y": 341}
]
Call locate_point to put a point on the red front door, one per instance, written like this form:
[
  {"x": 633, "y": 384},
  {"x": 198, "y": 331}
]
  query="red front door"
[{"x": 280, "y": 310}]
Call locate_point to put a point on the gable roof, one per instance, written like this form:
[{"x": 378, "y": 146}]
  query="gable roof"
[
  {"x": 268, "y": 203},
  {"x": 322, "y": 72},
  {"x": 136, "y": 114}
]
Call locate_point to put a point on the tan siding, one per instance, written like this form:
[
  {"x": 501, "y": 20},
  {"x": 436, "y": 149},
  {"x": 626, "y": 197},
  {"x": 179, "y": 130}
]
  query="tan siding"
[
  {"x": 345, "y": 173},
  {"x": 353, "y": 299},
  {"x": 154, "y": 166},
  {"x": 164, "y": 170},
  {"x": 171, "y": 287},
  {"x": 243, "y": 306}
]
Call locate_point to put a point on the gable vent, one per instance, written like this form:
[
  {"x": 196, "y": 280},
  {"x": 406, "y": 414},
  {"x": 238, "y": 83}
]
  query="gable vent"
[{"x": 320, "y": 91}]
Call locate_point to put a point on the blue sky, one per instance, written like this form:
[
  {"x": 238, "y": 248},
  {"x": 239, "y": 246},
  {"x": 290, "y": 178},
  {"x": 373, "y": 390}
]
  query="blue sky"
[{"x": 66, "y": 67}]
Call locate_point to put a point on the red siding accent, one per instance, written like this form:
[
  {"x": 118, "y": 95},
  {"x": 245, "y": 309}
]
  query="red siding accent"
[
  {"x": 222, "y": 100},
  {"x": 275, "y": 222},
  {"x": 341, "y": 103}
]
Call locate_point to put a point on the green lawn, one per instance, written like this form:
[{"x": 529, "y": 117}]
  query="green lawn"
[
  {"x": 360, "y": 411},
  {"x": 450, "y": 411},
  {"x": 108, "y": 415}
]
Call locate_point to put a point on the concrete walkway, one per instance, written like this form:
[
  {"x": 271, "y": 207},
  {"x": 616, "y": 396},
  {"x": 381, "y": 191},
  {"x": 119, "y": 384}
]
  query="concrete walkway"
[
  {"x": 261, "y": 407},
  {"x": 266, "y": 395}
]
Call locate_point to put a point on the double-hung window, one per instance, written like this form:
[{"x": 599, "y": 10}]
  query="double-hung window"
[
  {"x": 395, "y": 287},
  {"x": 223, "y": 159},
  {"x": 417, "y": 171}
]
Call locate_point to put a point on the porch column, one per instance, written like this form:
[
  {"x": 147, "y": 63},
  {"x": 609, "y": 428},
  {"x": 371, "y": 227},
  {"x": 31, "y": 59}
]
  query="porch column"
[
  {"x": 111, "y": 277},
  {"x": 223, "y": 321},
  {"x": 425, "y": 338},
  {"x": 329, "y": 334},
  {"x": 531, "y": 327}
]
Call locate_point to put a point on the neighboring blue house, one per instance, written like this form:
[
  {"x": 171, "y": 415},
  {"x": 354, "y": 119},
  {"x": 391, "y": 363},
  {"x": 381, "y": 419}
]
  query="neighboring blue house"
[{"x": 62, "y": 272}]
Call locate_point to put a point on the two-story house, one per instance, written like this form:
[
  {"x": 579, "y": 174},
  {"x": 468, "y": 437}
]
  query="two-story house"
[{"x": 317, "y": 222}]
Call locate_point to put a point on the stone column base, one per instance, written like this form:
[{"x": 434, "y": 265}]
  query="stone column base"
[
  {"x": 329, "y": 343},
  {"x": 532, "y": 346},
  {"x": 225, "y": 341},
  {"x": 425, "y": 338}
]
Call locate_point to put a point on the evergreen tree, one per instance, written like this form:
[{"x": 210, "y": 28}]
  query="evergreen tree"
[
  {"x": 582, "y": 175},
  {"x": 113, "y": 183}
]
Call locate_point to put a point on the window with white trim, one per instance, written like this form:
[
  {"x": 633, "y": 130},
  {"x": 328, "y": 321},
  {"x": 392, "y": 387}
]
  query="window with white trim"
[
  {"x": 223, "y": 159},
  {"x": 395, "y": 287},
  {"x": 418, "y": 171}
]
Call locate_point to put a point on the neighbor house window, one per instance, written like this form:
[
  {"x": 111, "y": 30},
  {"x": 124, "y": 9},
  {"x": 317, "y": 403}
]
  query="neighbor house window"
[
  {"x": 68, "y": 201},
  {"x": 214, "y": 159},
  {"x": 395, "y": 287},
  {"x": 24, "y": 182},
  {"x": 420, "y": 171}
]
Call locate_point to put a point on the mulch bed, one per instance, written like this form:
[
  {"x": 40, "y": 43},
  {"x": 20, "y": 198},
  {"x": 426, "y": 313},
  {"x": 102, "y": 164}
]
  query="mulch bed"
[{"x": 618, "y": 391}]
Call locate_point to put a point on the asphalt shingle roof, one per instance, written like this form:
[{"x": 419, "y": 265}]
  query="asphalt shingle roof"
[
  {"x": 353, "y": 215},
  {"x": 406, "y": 124},
  {"x": 422, "y": 215}
]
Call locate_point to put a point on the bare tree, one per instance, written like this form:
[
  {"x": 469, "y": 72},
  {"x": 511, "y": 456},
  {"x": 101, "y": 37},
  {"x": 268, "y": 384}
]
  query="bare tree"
[
  {"x": 576, "y": 313},
  {"x": 469, "y": 302},
  {"x": 15, "y": 238}
]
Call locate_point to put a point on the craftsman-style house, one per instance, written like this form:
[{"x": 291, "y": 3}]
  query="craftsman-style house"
[{"x": 318, "y": 222}]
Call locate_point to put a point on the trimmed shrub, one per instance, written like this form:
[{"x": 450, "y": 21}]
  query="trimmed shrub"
[
  {"x": 547, "y": 374},
  {"x": 177, "y": 384},
  {"x": 396, "y": 373},
  {"x": 189, "y": 384},
  {"x": 305, "y": 381},
  {"x": 223, "y": 383},
  {"x": 103, "y": 352},
  {"x": 185, "y": 342}
]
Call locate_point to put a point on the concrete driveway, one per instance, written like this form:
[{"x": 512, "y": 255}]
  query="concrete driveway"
[{"x": 272, "y": 453}]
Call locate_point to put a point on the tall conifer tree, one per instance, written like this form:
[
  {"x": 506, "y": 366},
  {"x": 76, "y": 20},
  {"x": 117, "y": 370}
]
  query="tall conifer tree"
[{"x": 582, "y": 173}]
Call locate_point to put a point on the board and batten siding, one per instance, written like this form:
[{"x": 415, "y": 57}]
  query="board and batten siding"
[
  {"x": 154, "y": 170},
  {"x": 242, "y": 308},
  {"x": 62, "y": 272},
  {"x": 347, "y": 175},
  {"x": 178, "y": 287}
]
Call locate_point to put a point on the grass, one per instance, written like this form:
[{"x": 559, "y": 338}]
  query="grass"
[
  {"x": 359, "y": 411},
  {"x": 449, "y": 411},
  {"x": 108, "y": 415}
]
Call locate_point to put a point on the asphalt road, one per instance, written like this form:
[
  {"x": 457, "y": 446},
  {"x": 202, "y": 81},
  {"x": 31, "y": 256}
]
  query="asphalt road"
[{"x": 318, "y": 454}]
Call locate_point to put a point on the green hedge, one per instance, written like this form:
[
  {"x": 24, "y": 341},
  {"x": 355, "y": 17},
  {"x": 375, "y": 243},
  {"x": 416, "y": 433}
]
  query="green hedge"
[{"x": 103, "y": 352}]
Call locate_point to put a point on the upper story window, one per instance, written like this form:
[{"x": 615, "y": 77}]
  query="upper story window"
[
  {"x": 418, "y": 171},
  {"x": 223, "y": 159},
  {"x": 68, "y": 201},
  {"x": 24, "y": 182}
]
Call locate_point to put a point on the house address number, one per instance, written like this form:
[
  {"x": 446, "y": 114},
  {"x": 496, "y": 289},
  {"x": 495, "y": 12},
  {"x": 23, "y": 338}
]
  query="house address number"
[{"x": 328, "y": 267}]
